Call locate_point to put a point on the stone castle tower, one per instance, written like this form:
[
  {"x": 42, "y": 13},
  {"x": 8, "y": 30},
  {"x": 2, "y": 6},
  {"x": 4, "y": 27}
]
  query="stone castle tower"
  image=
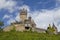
[
  {"x": 26, "y": 23},
  {"x": 23, "y": 14}
]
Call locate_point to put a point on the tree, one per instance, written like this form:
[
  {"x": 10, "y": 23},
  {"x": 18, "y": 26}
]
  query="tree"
[
  {"x": 1, "y": 24},
  {"x": 50, "y": 30}
]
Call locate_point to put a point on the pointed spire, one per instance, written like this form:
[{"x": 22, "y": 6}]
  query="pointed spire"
[
  {"x": 29, "y": 17},
  {"x": 54, "y": 26},
  {"x": 49, "y": 25}
]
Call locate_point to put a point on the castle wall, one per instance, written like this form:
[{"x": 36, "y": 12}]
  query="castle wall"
[
  {"x": 8, "y": 28},
  {"x": 40, "y": 30},
  {"x": 23, "y": 17},
  {"x": 19, "y": 27}
]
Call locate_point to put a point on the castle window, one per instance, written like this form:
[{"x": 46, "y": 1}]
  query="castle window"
[
  {"x": 26, "y": 27},
  {"x": 27, "y": 24}
]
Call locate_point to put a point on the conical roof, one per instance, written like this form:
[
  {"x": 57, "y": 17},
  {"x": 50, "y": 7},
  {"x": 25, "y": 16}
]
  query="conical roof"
[{"x": 54, "y": 26}]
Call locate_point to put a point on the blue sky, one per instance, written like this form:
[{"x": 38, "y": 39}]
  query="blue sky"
[{"x": 43, "y": 12}]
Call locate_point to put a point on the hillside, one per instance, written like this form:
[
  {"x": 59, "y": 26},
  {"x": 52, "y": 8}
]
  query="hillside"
[{"x": 27, "y": 36}]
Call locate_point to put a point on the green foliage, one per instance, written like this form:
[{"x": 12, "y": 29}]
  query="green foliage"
[
  {"x": 13, "y": 30},
  {"x": 1, "y": 30},
  {"x": 31, "y": 29},
  {"x": 50, "y": 30},
  {"x": 1, "y": 23},
  {"x": 27, "y": 36}
]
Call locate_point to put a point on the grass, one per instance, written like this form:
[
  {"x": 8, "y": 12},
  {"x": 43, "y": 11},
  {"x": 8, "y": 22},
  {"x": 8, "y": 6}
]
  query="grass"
[{"x": 27, "y": 36}]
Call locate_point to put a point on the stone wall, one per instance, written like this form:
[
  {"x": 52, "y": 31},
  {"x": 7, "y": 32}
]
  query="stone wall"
[
  {"x": 8, "y": 28},
  {"x": 19, "y": 27}
]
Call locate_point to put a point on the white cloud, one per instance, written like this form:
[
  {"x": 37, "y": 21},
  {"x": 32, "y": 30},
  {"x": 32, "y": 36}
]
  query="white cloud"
[
  {"x": 45, "y": 17},
  {"x": 10, "y": 17},
  {"x": 41, "y": 18},
  {"x": 6, "y": 16},
  {"x": 7, "y": 4},
  {"x": 59, "y": 27},
  {"x": 17, "y": 18},
  {"x": 46, "y": 2},
  {"x": 58, "y": 0},
  {"x": 57, "y": 3},
  {"x": 10, "y": 21}
]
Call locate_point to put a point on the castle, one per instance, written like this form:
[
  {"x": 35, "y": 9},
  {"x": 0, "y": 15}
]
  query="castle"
[{"x": 26, "y": 24}]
